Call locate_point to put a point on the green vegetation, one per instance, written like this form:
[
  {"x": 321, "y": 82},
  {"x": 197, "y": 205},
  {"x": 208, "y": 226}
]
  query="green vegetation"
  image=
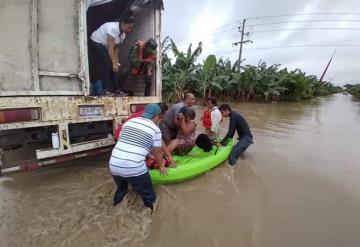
[
  {"x": 353, "y": 89},
  {"x": 223, "y": 79}
]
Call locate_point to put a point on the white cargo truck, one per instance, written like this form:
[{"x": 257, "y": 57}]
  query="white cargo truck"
[{"x": 47, "y": 112}]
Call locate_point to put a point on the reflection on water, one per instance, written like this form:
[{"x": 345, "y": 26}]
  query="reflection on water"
[{"x": 296, "y": 186}]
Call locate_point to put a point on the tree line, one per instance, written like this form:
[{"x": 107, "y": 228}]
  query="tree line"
[
  {"x": 353, "y": 89},
  {"x": 228, "y": 81}
]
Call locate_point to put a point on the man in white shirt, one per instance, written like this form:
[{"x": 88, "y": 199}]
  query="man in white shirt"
[
  {"x": 138, "y": 137},
  {"x": 104, "y": 43}
]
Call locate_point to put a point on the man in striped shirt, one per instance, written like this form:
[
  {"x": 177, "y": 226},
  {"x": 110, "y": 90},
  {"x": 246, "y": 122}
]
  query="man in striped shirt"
[{"x": 138, "y": 137}]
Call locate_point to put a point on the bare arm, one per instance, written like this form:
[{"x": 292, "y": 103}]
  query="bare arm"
[
  {"x": 117, "y": 53},
  {"x": 168, "y": 154},
  {"x": 111, "y": 47},
  {"x": 187, "y": 128},
  {"x": 158, "y": 158}
]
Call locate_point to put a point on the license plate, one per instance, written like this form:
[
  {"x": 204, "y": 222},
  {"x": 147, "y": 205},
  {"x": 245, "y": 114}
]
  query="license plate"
[{"x": 91, "y": 111}]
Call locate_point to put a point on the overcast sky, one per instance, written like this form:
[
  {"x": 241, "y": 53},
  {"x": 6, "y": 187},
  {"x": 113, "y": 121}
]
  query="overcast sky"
[{"x": 214, "y": 22}]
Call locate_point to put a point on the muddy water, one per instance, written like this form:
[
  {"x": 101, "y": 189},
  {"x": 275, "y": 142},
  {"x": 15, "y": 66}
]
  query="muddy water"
[{"x": 298, "y": 185}]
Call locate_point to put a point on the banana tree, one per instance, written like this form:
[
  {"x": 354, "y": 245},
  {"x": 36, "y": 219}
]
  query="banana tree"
[
  {"x": 206, "y": 74},
  {"x": 177, "y": 76}
]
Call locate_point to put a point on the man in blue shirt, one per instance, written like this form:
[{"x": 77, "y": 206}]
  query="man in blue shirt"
[{"x": 238, "y": 123}]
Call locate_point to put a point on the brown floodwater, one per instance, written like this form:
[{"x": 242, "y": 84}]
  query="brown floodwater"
[{"x": 297, "y": 186}]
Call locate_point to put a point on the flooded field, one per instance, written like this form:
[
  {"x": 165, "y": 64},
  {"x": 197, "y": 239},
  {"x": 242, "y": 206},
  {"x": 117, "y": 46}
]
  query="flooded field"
[{"x": 297, "y": 186}]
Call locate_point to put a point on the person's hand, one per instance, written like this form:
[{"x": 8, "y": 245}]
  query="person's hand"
[
  {"x": 172, "y": 163},
  {"x": 163, "y": 170},
  {"x": 218, "y": 145},
  {"x": 149, "y": 74},
  {"x": 116, "y": 67}
]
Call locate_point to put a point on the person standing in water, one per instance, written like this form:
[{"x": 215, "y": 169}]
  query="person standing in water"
[
  {"x": 238, "y": 123},
  {"x": 139, "y": 136}
]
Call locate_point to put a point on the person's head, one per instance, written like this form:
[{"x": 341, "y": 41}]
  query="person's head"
[
  {"x": 154, "y": 112},
  {"x": 126, "y": 23},
  {"x": 189, "y": 114},
  {"x": 211, "y": 102},
  {"x": 225, "y": 110},
  {"x": 189, "y": 99},
  {"x": 150, "y": 47},
  {"x": 164, "y": 108}
]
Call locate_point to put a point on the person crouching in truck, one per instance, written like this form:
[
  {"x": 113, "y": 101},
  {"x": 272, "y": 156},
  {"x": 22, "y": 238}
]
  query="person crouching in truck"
[
  {"x": 104, "y": 43},
  {"x": 211, "y": 118},
  {"x": 127, "y": 164},
  {"x": 142, "y": 58}
]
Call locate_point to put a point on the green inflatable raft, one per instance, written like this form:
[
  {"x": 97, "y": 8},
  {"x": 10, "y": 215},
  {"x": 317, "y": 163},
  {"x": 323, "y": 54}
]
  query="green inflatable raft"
[{"x": 193, "y": 164}]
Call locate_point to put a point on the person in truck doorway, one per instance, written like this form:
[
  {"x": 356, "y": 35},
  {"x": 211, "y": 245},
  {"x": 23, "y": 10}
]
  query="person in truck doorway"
[
  {"x": 104, "y": 43},
  {"x": 142, "y": 58}
]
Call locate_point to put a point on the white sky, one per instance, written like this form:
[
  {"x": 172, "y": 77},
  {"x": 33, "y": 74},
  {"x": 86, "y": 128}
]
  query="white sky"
[{"x": 215, "y": 23}]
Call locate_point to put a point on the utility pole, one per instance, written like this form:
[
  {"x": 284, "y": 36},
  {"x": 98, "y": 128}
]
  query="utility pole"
[
  {"x": 327, "y": 66},
  {"x": 241, "y": 42}
]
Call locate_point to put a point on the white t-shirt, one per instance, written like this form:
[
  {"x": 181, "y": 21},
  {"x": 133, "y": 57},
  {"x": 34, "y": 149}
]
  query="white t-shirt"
[
  {"x": 215, "y": 120},
  {"x": 138, "y": 136},
  {"x": 108, "y": 28}
]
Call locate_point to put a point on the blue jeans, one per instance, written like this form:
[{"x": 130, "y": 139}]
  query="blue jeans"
[
  {"x": 141, "y": 184},
  {"x": 240, "y": 147},
  {"x": 104, "y": 68}
]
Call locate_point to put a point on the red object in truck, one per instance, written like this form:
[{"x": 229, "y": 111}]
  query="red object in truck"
[{"x": 119, "y": 127}]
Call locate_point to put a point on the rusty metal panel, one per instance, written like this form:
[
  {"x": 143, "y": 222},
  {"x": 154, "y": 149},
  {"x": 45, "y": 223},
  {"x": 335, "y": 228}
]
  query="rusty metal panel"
[
  {"x": 65, "y": 109},
  {"x": 15, "y": 58}
]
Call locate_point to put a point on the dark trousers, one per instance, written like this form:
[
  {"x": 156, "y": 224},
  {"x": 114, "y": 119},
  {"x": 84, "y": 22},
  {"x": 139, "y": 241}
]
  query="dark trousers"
[
  {"x": 103, "y": 67},
  {"x": 148, "y": 82},
  {"x": 141, "y": 184},
  {"x": 240, "y": 147}
]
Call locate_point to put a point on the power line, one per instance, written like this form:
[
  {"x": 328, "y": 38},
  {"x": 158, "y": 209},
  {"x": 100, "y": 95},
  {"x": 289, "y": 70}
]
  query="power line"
[
  {"x": 216, "y": 33},
  {"x": 222, "y": 39},
  {"x": 303, "y": 29},
  {"x": 291, "y": 46},
  {"x": 299, "y": 14},
  {"x": 274, "y": 16},
  {"x": 303, "y": 21},
  {"x": 299, "y": 46}
]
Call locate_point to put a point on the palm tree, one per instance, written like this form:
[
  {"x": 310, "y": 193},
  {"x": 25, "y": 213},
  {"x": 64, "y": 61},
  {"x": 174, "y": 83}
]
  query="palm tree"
[{"x": 177, "y": 76}]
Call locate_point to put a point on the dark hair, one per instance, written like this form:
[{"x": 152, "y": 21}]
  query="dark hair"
[
  {"x": 189, "y": 113},
  {"x": 224, "y": 107},
  {"x": 212, "y": 99},
  {"x": 127, "y": 18},
  {"x": 163, "y": 107},
  {"x": 151, "y": 44}
]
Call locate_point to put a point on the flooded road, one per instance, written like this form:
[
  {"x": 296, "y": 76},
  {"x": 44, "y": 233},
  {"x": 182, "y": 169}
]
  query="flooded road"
[{"x": 297, "y": 186}]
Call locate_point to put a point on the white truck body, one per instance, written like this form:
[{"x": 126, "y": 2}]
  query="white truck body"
[{"x": 45, "y": 85}]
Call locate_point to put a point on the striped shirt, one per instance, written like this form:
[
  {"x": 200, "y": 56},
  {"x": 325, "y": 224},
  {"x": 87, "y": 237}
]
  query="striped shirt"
[{"x": 137, "y": 138}]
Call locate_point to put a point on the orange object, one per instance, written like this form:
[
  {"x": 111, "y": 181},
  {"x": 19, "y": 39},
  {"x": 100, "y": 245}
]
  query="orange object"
[{"x": 151, "y": 58}]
